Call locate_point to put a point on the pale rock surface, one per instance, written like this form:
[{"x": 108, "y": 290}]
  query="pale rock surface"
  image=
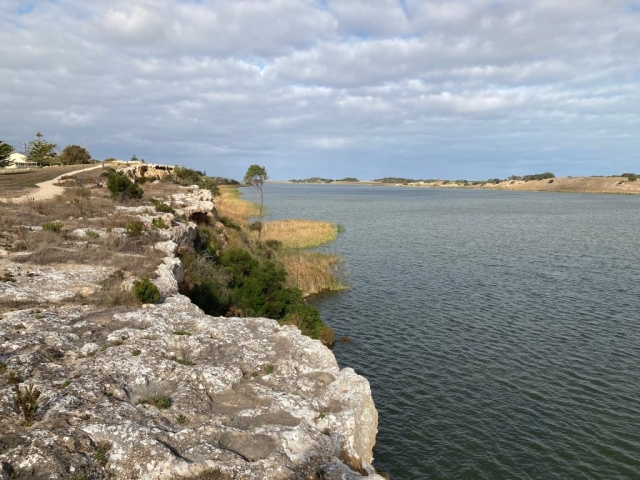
[
  {"x": 49, "y": 283},
  {"x": 259, "y": 400},
  {"x": 147, "y": 170},
  {"x": 249, "y": 397},
  {"x": 195, "y": 202}
]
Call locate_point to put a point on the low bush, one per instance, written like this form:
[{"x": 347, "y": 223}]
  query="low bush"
[
  {"x": 54, "y": 227},
  {"x": 159, "y": 401},
  {"x": 159, "y": 223},
  {"x": 134, "y": 229},
  {"x": 146, "y": 291},
  {"x": 26, "y": 402},
  {"x": 121, "y": 188},
  {"x": 164, "y": 208}
]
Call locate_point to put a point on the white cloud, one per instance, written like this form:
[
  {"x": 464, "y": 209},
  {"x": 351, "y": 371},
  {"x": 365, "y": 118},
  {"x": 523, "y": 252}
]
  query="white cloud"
[{"x": 283, "y": 81}]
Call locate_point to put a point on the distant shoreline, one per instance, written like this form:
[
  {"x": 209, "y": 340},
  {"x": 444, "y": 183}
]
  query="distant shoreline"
[{"x": 598, "y": 185}]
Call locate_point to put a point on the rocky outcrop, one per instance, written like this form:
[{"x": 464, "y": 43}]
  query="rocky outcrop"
[
  {"x": 165, "y": 391},
  {"x": 147, "y": 170}
]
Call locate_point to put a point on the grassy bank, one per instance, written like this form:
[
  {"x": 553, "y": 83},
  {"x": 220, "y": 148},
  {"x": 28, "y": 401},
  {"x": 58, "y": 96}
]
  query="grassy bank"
[{"x": 310, "y": 272}]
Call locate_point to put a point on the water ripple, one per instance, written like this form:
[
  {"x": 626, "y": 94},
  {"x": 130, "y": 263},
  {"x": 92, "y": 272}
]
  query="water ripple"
[{"x": 499, "y": 330}]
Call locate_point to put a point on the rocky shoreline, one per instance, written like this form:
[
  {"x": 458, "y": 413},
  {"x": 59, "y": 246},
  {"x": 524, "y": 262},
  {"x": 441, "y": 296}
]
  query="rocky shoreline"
[{"x": 164, "y": 391}]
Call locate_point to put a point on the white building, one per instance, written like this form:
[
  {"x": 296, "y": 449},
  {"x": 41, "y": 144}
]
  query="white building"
[{"x": 20, "y": 161}]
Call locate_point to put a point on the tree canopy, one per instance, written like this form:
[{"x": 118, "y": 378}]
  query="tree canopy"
[
  {"x": 255, "y": 178},
  {"x": 41, "y": 151},
  {"x": 5, "y": 153},
  {"x": 74, "y": 154}
]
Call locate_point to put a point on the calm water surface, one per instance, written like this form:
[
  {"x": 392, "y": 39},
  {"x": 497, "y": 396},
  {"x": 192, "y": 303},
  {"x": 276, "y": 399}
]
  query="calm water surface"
[{"x": 500, "y": 331}]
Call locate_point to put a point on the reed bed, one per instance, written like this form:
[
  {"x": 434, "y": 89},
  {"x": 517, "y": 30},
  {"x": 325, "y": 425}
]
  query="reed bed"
[
  {"x": 312, "y": 272},
  {"x": 299, "y": 234},
  {"x": 230, "y": 205}
]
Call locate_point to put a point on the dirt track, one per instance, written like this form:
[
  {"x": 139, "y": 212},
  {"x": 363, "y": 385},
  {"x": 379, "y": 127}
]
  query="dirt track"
[{"x": 47, "y": 189}]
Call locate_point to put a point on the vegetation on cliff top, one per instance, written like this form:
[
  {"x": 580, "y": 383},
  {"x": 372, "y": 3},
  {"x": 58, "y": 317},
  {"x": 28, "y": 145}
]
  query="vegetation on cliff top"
[{"x": 246, "y": 276}]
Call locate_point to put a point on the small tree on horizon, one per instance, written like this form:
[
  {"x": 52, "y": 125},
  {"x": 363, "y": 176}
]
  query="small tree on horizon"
[
  {"x": 41, "y": 151},
  {"x": 5, "y": 153},
  {"x": 74, "y": 154},
  {"x": 255, "y": 178}
]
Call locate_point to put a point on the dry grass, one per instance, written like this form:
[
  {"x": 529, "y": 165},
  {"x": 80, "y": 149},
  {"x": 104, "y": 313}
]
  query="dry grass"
[
  {"x": 298, "y": 234},
  {"x": 312, "y": 272},
  {"x": 162, "y": 190},
  {"x": 17, "y": 182},
  {"x": 132, "y": 254},
  {"x": 231, "y": 206},
  {"x": 74, "y": 210}
]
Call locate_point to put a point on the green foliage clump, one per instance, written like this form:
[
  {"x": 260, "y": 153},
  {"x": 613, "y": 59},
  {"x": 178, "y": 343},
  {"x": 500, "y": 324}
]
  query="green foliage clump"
[
  {"x": 164, "y": 208},
  {"x": 159, "y": 223},
  {"x": 187, "y": 176},
  {"x": 102, "y": 452},
  {"x": 538, "y": 176},
  {"x": 631, "y": 177},
  {"x": 91, "y": 233},
  {"x": 121, "y": 188},
  {"x": 5, "y": 154},
  {"x": 54, "y": 227},
  {"x": 134, "y": 229},
  {"x": 159, "y": 401},
  {"x": 146, "y": 291},
  {"x": 26, "y": 402}
]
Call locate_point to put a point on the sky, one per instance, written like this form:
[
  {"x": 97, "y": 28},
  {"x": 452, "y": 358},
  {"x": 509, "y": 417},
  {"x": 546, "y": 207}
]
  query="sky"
[{"x": 451, "y": 89}]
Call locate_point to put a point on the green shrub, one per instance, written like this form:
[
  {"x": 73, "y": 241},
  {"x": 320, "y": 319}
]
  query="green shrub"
[
  {"x": 164, "y": 208},
  {"x": 121, "y": 188},
  {"x": 273, "y": 244},
  {"x": 134, "y": 229},
  {"x": 631, "y": 177},
  {"x": 146, "y": 291},
  {"x": 159, "y": 401},
  {"x": 26, "y": 402},
  {"x": 54, "y": 227},
  {"x": 255, "y": 226},
  {"x": 159, "y": 223},
  {"x": 101, "y": 453},
  {"x": 91, "y": 233}
]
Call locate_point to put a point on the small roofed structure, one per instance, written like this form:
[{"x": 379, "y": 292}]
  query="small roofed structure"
[{"x": 19, "y": 161}]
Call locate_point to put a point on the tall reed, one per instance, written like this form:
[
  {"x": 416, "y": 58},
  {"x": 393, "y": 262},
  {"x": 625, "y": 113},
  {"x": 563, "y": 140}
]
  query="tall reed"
[
  {"x": 298, "y": 234},
  {"x": 312, "y": 272}
]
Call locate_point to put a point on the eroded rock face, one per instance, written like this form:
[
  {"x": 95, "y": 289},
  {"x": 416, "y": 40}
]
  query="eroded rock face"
[
  {"x": 165, "y": 391},
  {"x": 147, "y": 170}
]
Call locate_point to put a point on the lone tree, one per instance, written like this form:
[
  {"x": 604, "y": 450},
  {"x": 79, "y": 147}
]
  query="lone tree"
[
  {"x": 41, "y": 151},
  {"x": 74, "y": 154},
  {"x": 5, "y": 154},
  {"x": 255, "y": 178}
]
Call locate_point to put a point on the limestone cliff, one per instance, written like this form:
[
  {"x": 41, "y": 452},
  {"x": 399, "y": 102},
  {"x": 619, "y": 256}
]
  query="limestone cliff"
[{"x": 165, "y": 391}]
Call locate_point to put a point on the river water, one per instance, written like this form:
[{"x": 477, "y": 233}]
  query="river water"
[{"x": 500, "y": 331}]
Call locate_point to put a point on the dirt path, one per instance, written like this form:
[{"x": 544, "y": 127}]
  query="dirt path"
[{"x": 47, "y": 189}]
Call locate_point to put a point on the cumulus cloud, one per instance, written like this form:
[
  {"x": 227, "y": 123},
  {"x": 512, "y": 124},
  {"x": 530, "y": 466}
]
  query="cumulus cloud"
[{"x": 449, "y": 88}]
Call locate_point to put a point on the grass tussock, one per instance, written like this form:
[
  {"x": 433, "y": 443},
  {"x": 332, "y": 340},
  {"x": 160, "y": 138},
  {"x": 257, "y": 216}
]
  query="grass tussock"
[
  {"x": 299, "y": 234},
  {"x": 231, "y": 206},
  {"x": 312, "y": 272}
]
